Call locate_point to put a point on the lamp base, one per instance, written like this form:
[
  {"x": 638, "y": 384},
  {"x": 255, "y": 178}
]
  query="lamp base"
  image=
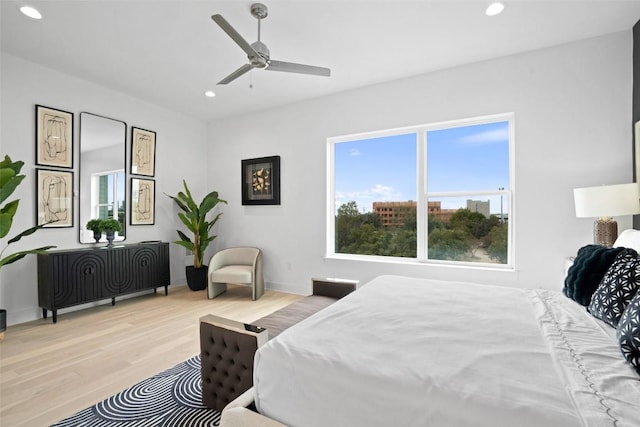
[{"x": 605, "y": 231}]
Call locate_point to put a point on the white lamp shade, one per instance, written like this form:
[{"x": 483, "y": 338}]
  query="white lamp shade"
[{"x": 607, "y": 200}]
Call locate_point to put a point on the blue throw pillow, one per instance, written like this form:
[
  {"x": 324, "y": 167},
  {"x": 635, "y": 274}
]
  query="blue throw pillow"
[
  {"x": 619, "y": 284},
  {"x": 629, "y": 333},
  {"x": 587, "y": 271}
]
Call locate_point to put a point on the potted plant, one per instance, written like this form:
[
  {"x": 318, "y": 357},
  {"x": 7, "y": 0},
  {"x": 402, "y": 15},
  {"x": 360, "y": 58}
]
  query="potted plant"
[
  {"x": 9, "y": 181},
  {"x": 110, "y": 226},
  {"x": 194, "y": 217},
  {"x": 95, "y": 225}
]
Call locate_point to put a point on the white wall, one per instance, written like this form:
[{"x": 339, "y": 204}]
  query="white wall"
[
  {"x": 572, "y": 106},
  {"x": 180, "y": 143}
]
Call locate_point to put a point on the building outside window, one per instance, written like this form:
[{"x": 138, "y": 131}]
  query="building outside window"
[
  {"x": 437, "y": 193},
  {"x": 110, "y": 197}
]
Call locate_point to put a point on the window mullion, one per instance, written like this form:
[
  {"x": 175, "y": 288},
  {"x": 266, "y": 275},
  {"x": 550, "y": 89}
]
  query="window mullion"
[{"x": 421, "y": 214}]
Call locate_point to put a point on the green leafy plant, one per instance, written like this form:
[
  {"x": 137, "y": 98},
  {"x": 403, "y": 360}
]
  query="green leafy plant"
[
  {"x": 95, "y": 225},
  {"x": 194, "y": 217},
  {"x": 10, "y": 178},
  {"x": 111, "y": 225}
]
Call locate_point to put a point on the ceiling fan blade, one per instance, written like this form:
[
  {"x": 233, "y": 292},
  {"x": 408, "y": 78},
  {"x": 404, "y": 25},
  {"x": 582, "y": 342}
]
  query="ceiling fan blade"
[
  {"x": 235, "y": 36},
  {"x": 237, "y": 73},
  {"x": 291, "y": 67}
]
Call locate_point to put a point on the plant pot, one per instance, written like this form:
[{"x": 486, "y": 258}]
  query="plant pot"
[
  {"x": 110, "y": 236},
  {"x": 97, "y": 235},
  {"x": 197, "y": 277},
  {"x": 3, "y": 322}
]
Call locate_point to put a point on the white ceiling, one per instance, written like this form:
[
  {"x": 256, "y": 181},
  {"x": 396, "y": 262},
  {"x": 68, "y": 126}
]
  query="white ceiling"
[{"x": 169, "y": 52}]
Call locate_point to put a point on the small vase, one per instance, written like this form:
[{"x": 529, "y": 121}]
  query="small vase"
[
  {"x": 110, "y": 236},
  {"x": 97, "y": 235}
]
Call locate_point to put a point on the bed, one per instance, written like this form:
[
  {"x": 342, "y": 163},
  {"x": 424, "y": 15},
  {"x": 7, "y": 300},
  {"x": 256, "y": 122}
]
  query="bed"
[{"x": 403, "y": 351}]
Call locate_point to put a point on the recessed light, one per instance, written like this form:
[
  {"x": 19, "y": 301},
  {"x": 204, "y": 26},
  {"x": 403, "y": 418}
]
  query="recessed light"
[
  {"x": 210, "y": 93},
  {"x": 494, "y": 9},
  {"x": 31, "y": 12}
]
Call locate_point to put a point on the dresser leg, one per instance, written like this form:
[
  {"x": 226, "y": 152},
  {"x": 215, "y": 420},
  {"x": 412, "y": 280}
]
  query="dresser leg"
[
  {"x": 166, "y": 290},
  {"x": 44, "y": 313},
  {"x": 113, "y": 302},
  {"x": 54, "y": 316}
]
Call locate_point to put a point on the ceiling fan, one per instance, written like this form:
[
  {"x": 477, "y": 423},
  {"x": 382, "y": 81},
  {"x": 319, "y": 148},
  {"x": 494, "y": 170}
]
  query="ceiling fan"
[{"x": 258, "y": 53}]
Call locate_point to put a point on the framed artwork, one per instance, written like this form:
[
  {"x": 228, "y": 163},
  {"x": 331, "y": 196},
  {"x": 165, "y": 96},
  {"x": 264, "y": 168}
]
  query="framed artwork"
[
  {"x": 261, "y": 181},
  {"x": 54, "y": 196},
  {"x": 54, "y": 137},
  {"x": 143, "y": 201},
  {"x": 143, "y": 152}
]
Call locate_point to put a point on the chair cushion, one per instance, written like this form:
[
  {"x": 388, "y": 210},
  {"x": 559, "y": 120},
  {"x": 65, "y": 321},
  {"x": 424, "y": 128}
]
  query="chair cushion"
[{"x": 232, "y": 274}]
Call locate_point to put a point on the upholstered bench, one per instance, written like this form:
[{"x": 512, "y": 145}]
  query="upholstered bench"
[{"x": 227, "y": 348}]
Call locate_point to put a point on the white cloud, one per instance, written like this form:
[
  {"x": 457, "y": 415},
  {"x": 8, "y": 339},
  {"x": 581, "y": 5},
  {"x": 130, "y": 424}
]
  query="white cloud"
[
  {"x": 487, "y": 137},
  {"x": 365, "y": 198},
  {"x": 354, "y": 152}
]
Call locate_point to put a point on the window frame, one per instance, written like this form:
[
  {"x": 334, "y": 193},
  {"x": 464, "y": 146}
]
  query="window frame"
[
  {"x": 95, "y": 193},
  {"x": 422, "y": 194}
]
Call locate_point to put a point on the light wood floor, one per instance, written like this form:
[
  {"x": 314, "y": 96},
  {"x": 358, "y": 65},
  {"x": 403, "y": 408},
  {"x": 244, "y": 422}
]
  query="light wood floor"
[{"x": 49, "y": 372}]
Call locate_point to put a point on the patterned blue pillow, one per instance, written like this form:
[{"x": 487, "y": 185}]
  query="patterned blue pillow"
[
  {"x": 617, "y": 288},
  {"x": 629, "y": 333}
]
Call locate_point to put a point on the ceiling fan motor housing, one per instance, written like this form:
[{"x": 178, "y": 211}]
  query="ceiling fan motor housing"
[{"x": 262, "y": 60}]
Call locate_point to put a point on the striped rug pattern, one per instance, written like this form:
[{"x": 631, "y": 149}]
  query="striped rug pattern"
[{"x": 170, "y": 398}]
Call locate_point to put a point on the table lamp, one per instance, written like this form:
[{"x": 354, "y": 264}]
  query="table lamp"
[{"x": 603, "y": 203}]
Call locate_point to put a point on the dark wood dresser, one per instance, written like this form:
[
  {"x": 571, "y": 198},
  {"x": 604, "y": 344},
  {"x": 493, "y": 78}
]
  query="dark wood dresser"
[{"x": 77, "y": 276}]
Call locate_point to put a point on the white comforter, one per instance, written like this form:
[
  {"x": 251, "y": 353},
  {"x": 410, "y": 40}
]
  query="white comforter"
[{"x": 413, "y": 352}]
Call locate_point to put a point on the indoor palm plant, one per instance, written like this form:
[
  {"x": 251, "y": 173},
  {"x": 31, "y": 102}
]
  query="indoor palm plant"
[
  {"x": 10, "y": 178},
  {"x": 194, "y": 217}
]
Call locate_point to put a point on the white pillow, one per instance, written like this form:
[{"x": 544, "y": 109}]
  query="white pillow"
[{"x": 628, "y": 239}]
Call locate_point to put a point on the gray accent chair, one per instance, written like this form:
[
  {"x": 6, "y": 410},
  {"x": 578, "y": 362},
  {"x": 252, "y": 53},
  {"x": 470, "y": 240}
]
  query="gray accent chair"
[{"x": 236, "y": 265}]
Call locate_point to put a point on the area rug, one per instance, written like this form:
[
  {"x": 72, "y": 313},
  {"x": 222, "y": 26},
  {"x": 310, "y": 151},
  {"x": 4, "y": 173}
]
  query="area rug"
[{"x": 170, "y": 398}]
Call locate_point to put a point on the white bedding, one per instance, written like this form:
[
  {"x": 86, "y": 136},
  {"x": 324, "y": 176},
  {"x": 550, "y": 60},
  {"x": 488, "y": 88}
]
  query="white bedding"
[{"x": 413, "y": 352}]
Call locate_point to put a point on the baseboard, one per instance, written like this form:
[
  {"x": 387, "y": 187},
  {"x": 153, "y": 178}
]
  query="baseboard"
[{"x": 287, "y": 288}]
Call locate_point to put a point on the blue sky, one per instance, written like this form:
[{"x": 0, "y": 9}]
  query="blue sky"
[{"x": 469, "y": 158}]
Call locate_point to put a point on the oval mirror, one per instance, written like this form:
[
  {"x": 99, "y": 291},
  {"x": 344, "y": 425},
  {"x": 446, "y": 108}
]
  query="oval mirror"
[{"x": 102, "y": 173}]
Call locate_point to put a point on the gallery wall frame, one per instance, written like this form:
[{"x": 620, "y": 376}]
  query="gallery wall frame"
[
  {"x": 261, "y": 181},
  {"x": 54, "y": 198},
  {"x": 143, "y": 201},
  {"x": 143, "y": 152},
  {"x": 54, "y": 137}
]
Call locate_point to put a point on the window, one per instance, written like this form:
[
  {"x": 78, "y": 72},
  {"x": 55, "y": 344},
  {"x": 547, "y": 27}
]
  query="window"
[
  {"x": 108, "y": 197},
  {"x": 436, "y": 193}
]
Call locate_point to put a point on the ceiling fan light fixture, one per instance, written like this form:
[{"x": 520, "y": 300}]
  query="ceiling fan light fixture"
[
  {"x": 494, "y": 9},
  {"x": 31, "y": 12}
]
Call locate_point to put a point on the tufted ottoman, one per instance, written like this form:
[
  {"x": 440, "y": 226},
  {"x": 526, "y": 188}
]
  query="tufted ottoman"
[{"x": 227, "y": 349}]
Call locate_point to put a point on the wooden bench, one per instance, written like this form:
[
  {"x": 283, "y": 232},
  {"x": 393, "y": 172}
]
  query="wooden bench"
[{"x": 227, "y": 347}]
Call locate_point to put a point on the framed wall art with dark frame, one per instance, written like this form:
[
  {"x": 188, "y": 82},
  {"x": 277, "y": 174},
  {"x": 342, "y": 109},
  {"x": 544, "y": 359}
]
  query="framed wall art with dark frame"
[
  {"x": 143, "y": 152},
  {"x": 261, "y": 181},
  {"x": 54, "y": 137},
  {"x": 143, "y": 202},
  {"x": 54, "y": 198}
]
